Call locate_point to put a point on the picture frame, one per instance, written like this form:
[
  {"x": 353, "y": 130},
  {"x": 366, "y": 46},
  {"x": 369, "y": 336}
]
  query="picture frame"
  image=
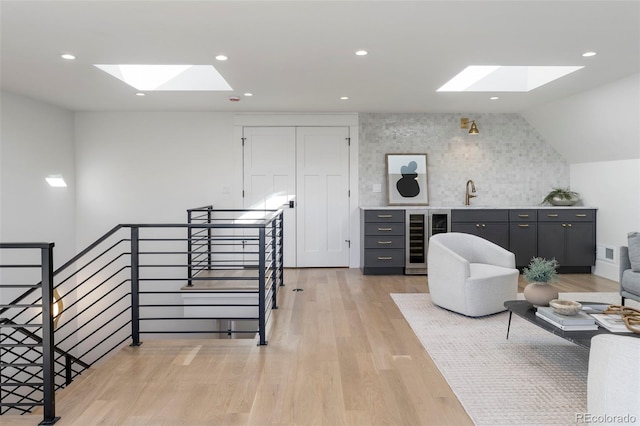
[{"x": 407, "y": 179}]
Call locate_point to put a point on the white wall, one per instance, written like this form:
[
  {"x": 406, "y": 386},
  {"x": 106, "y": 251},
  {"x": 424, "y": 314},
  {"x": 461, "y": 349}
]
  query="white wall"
[
  {"x": 151, "y": 167},
  {"x": 36, "y": 140},
  {"x": 599, "y": 133},
  {"x": 613, "y": 186},
  {"x": 598, "y": 125}
]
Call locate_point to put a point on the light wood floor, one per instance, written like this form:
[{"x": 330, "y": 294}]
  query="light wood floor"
[{"x": 339, "y": 353}]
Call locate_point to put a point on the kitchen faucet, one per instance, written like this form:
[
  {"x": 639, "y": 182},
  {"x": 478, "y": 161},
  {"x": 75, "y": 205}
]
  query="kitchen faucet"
[{"x": 468, "y": 196}]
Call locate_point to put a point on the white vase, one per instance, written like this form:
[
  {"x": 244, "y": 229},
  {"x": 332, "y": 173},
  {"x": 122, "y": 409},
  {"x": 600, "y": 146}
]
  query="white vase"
[{"x": 540, "y": 294}]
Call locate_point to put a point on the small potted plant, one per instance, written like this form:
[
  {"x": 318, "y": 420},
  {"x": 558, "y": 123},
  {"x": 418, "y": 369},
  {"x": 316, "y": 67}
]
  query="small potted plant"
[
  {"x": 540, "y": 274},
  {"x": 561, "y": 197}
]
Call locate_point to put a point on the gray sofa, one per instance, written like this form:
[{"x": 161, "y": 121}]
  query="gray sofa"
[{"x": 629, "y": 279}]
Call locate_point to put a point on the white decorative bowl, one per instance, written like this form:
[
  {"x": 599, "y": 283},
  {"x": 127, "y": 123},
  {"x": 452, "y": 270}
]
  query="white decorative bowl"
[{"x": 565, "y": 307}]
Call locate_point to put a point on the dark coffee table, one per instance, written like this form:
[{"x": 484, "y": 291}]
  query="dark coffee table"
[{"x": 526, "y": 310}]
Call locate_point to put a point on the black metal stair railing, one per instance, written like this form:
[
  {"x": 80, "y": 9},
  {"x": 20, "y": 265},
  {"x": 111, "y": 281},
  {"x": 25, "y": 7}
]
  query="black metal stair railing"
[
  {"x": 130, "y": 283},
  {"x": 26, "y": 359}
]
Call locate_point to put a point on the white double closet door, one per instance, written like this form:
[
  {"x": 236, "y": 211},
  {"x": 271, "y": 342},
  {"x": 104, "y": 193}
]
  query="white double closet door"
[{"x": 305, "y": 171}]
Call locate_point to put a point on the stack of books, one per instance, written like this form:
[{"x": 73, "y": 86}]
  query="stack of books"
[{"x": 579, "y": 322}]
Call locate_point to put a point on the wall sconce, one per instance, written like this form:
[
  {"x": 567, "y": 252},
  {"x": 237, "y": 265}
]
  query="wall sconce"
[
  {"x": 464, "y": 124},
  {"x": 57, "y": 308}
]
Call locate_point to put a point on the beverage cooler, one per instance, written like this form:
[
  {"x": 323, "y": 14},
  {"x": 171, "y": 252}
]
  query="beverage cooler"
[{"x": 421, "y": 224}]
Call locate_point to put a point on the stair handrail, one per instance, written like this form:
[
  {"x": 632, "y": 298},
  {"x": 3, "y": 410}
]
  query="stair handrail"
[{"x": 66, "y": 265}]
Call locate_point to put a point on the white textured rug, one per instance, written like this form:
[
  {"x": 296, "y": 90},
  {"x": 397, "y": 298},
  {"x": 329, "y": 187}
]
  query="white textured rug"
[{"x": 534, "y": 378}]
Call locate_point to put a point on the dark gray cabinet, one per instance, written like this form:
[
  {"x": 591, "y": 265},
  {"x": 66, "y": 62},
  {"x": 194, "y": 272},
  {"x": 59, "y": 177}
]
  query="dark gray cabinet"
[
  {"x": 569, "y": 237},
  {"x": 384, "y": 242},
  {"x": 523, "y": 235},
  {"x": 566, "y": 234},
  {"x": 490, "y": 224}
]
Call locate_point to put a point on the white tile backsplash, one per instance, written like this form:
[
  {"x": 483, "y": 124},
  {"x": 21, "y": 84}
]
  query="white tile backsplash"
[{"x": 508, "y": 161}]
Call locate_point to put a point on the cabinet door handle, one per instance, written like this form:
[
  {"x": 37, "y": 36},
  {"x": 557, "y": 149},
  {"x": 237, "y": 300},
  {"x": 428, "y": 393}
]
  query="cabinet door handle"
[
  {"x": 385, "y": 216},
  {"x": 581, "y": 215},
  {"x": 477, "y": 225},
  {"x": 384, "y": 242},
  {"x": 552, "y": 215},
  {"x": 564, "y": 225},
  {"x": 523, "y": 215},
  {"x": 523, "y": 226},
  {"x": 484, "y": 226},
  {"x": 569, "y": 225},
  {"x": 385, "y": 229},
  {"x": 385, "y": 258}
]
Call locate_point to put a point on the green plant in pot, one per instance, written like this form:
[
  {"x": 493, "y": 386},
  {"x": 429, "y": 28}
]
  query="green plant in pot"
[
  {"x": 540, "y": 274},
  {"x": 561, "y": 197}
]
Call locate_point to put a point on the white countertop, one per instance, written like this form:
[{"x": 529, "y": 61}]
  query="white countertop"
[{"x": 472, "y": 207}]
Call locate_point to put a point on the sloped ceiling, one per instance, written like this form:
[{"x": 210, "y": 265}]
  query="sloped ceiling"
[{"x": 602, "y": 124}]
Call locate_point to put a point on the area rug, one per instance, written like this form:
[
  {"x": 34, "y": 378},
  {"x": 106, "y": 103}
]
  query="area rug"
[{"x": 533, "y": 378}]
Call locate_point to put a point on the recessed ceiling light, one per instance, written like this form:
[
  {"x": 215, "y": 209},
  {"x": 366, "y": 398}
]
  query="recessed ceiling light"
[
  {"x": 589, "y": 54},
  {"x": 141, "y": 94},
  {"x": 68, "y": 56},
  {"x": 221, "y": 58},
  {"x": 497, "y": 78},
  {"x": 344, "y": 98},
  {"x": 248, "y": 94},
  {"x": 494, "y": 98},
  {"x": 362, "y": 52},
  {"x": 169, "y": 77}
]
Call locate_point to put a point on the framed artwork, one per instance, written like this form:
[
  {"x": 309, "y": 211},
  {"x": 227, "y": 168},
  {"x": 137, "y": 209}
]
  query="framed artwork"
[{"x": 407, "y": 179}]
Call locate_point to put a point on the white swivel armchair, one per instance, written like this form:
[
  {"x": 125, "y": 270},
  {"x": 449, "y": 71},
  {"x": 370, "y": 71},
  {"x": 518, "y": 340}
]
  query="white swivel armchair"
[
  {"x": 613, "y": 384},
  {"x": 470, "y": 275}
]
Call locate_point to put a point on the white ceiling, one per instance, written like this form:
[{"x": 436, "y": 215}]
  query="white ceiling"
[{"x": 299, "y": 55}]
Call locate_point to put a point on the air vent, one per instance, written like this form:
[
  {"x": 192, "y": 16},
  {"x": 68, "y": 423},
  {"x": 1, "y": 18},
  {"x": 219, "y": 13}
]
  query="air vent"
[{"x": 606, "y": 253}]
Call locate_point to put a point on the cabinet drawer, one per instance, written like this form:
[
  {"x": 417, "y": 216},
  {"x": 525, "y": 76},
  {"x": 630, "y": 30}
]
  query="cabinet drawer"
[
  {"x": 384, "y": 228},
  {"x": 384, "y": 216},
  {"x": 384, "y": 242},
  {"x": 523, "y": 215},
  {"x": 479, "y": 215},
  {"x": 390, "y": 257},
  {"x": 571, "y": 215}
]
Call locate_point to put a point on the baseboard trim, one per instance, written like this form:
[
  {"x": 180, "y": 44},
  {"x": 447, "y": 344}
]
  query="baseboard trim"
[{"x": 607, "y": 270}]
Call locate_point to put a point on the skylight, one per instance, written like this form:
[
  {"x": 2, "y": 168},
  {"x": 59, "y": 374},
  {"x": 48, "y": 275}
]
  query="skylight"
[
  {"x": 497, "y": 78},
  {"x": 168, "y": 77}
]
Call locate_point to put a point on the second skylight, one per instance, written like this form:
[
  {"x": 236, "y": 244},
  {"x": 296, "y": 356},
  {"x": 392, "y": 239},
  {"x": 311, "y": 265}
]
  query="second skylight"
[{"x": 497, "y": 78}]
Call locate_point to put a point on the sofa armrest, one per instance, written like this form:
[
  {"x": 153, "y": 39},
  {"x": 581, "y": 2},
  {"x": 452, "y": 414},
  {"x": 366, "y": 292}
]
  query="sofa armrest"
[{"x": 625, "y": 263}]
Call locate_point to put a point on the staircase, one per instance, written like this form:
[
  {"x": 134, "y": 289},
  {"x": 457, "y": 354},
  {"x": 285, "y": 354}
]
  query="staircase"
[{"x": 127, "y": 284}]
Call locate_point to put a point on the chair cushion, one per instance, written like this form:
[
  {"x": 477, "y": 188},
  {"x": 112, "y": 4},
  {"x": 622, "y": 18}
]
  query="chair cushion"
[
  {"x": 634, "y": 250},
  {"x": 483, "y": 270},
  {"x": 631, "y": 282}
]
